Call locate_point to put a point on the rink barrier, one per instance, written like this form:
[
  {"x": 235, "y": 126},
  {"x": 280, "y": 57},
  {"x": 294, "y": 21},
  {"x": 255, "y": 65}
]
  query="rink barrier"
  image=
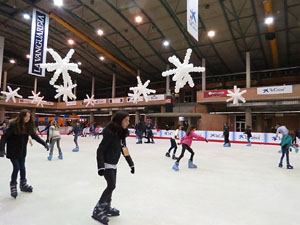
[{"x": 212, "y": 136}]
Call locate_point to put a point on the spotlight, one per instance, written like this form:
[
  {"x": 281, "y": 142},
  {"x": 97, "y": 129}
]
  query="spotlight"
[
  {"x": 269, "y": 20},
  {"x": 71, "y": 42},
  {"x": 58, "y": 3},
  {"x": 100, "y": 32},
  {"x": 79, "y": 63},
  {"x": 26, "y": 16},
  {"x": 211, "y": 33},
  {"x": 101, "y": 58},
  {"x": 138, "y": 19},
  {"x": 28, "y": 56},
  {"x": 166, "y": 43},
  {"x": 12, "y": 61}
]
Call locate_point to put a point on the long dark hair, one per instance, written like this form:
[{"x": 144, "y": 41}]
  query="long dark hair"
[
  {"x": 190, "y": 128},
  {"x": 21, "y": 126},
  {"x": 115, "y": 125}
]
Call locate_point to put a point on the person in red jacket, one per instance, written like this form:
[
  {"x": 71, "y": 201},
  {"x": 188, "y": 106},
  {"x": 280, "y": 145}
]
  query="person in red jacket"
[{"x": 186, "y": 142}]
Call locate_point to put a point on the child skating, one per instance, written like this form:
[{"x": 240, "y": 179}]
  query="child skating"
[
  {"x": 175, "y": 136},
  {"x": 186, "y": 142}
]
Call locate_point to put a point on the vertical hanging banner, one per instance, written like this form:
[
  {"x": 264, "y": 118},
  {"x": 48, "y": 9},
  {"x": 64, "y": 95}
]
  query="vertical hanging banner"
[
  {"x": 192, "y": 17},
  {"x": 1, "y": 55},
  {"x": 39, "y": 38}
]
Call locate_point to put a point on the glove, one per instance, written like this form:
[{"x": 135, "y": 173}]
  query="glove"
[
  {"x": 101, "y": 172},
  {"x": 46, "y": 146},
  {"x": 206, "y": 140},
  {"x": 132, "y": 170}
]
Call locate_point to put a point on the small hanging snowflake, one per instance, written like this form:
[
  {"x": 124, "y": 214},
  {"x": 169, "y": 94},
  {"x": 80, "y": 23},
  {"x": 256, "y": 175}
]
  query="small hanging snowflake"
[
  {"x": 65, "y": 91},
  {"x": 11, "y": 94},
  {"x": 36, "y": 99},
  {"x": 141, "y": 89},
  {"x": 236, "y": 95},
  {"x": 89, "y": 100},
  {"x": 182, "y": 72}
]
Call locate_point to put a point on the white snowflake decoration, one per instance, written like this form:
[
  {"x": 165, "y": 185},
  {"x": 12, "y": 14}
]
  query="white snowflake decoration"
[
  {"x": 11, "y": 94},
  {"x": 36, "y": 99},
  {"x": 141, "y": 89},
  {"x": 182, "y": 72},
  {"x": 89, "y": 100},
  {"x": 236, "y": 95},
  {"x": 61, "y": 66},
  {"x": 65, "y": 91}
]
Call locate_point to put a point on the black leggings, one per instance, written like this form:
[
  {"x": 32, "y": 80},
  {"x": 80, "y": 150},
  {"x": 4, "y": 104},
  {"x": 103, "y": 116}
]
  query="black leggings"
[
  {"x": 184, "y": 146},
  {"x": 110, "y": 176},
  {"x": 173, "y": 145},
  {"x": 18, "y": 165},
  {"x": 285, "y": 151}
]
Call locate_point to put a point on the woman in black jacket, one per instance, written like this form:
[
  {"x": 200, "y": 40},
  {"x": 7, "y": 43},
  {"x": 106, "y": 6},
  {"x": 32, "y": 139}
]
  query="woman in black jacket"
[
  {"x": 108, "y": 154},
  {"x": 16, "y": 138}
]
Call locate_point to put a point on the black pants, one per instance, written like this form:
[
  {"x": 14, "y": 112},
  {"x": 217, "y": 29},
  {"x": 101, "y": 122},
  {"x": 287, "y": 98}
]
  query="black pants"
[
  {"x": 186, "y": 147},
  {"x": 285, "y": 151},
  {"x": 226, "y": 138},
  {"x": 173, "y": 145},
  {"x": 110, "y": 176},
  {"x": 18, "y": 165}
]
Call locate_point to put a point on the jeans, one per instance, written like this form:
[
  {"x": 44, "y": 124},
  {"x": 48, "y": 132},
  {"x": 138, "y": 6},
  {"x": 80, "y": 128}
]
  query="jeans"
[
  {"x": 53, "y": 141},
  {"x": 18, "y": 165},
  {"x": 75, "y": 139}
]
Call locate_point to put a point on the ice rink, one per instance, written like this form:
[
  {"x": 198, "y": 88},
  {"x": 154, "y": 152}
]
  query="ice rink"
[{"x": 232, "y": 186}]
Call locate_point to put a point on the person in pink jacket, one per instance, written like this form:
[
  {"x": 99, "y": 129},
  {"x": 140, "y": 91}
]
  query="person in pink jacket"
[{"x": 186, "y": 142}]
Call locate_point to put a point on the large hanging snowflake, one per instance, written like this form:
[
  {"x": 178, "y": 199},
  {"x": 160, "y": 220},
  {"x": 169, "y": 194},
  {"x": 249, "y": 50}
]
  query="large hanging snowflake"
[
  {"x": 11, "y": 94},
  {"x": 182, "y": 72},
  {"x": 89, "y": 100},
  {"x": 65, "y": 91},
  {"x": 236, "y": 95},
  {"x": 62, "y": 66},
  {"x": 141, "y": 89},
  {"x": 36, "y": 99}
]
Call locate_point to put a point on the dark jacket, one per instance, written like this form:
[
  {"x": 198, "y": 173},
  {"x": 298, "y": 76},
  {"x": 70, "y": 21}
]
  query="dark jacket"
[
  {"x": 76, "y": 129},
  {"x": 226, "y": 130},
  {"x": 248, "y": 132},
  {"x": 110, "y": 149},
  {"x": 16, "y": 143}
]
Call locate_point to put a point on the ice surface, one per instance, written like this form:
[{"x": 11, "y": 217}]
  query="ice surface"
[{"x": 232, "y": 186}]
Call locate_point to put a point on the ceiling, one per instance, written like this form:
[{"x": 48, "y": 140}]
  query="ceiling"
[{"x": 239, "y": 27}]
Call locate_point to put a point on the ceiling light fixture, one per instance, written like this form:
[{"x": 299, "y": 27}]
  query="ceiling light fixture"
[
  {"x": 26, "y": 16},
  {"x": 138, "y": 19},
  {"x": 28, "y": 56},
  {"x": 166, "y": 43},
  {"x": 269, "y": 20},
  {"x": 71, "y": 42},
  {"x": 79, "y": 63},
  {"x": 58, "y": 3},
  {"x": 12, "y": 61},
  {"x": 100, "y": 32},
  {"x": 101, "y": 58},
  {"x": 211, "y": 33}
]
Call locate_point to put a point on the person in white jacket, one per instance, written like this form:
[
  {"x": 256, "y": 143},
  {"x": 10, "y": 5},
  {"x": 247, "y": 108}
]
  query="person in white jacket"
[
  {"x": 54, "y": 137},
  {"x": 175, "y": 136}
]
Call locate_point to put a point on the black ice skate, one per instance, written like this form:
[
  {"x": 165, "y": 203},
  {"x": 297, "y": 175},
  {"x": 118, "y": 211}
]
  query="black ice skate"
[
  {"x": 112, "y": 211},
  {"x": 13, "y": 190},
  {"x": 25, "y": 187},
  {"x": 99, "y": 213}
]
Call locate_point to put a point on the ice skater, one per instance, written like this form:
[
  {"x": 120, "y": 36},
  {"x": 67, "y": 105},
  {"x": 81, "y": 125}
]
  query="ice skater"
[
  {"x": 186, "y": 142},
  {"x": 76, "y": 130},
  {"x": 16, "y": 138},
  {"x": 108, "y": 154},
  {"x": 54, "y": 136},
  {"x": 149, "y": 133},
  {"x": 226, "y": 135},
  {"x": 47, "y": 132},
  {"x": 280, "y": 129},
  {"x": 285, "y": 148},
  {"x": 249, "y": 135},
  {"x": 175, "y": 136}
]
